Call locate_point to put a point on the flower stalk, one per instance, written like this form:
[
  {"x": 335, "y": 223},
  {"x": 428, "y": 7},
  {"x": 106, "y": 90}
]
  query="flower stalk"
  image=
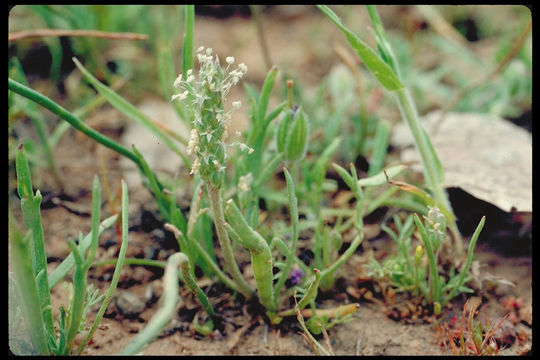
[{"x": 207, "y": 96}]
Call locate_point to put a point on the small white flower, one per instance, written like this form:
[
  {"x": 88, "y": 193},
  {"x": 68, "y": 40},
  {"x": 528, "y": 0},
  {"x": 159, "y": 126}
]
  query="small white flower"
[
  {"x": 189, "y": 72},
  {"x": 190, "y": 79},
  {"x": 195, "y": 166},
  {"x": 244, "y": 182},
  {"x": 229, "y": 60},
  {"x": 218, "y": 165},
  {"x": 243, "y": 68},
  {"x": 226, "y": 120},
  {"x": 193, "y": 142},
  {"x": 208, "y": 51},
  {"x": 178, "y": 81},
  {"x": 201, "y": 48},
  {"x": 181, "y": 96},
  {"x": 244, "y": 147},
  {"x": 236, "y": 105}
]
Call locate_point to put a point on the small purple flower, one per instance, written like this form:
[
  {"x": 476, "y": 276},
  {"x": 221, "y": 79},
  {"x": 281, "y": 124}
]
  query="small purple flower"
[{"x": 296, "y": 276}]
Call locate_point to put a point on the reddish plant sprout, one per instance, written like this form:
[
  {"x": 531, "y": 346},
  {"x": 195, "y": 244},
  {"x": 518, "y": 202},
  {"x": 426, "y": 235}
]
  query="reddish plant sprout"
[{"x": 470, "y": 337}]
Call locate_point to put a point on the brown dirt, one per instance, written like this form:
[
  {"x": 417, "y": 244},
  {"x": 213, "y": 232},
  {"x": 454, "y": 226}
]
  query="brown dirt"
[{"x": 372, "y": 331}]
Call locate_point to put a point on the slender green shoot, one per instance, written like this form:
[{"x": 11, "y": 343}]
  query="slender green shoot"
[
  {"x": 293, "y": 208},
  {"x": 465, "y": 270},
  {"x": 30, "y": 206},
  {"x": 21, "y": 260},
  {"x": 70, "y": 118},
  {"x": 165, "y": 313},
  {"x": 317, "y": 347},
  {"x": 117, "y": 270},
  {"x": 80, "y": 275}
]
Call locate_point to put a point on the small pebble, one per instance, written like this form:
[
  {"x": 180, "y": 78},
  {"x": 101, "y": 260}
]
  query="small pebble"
[{"x": 129, "y": 305}]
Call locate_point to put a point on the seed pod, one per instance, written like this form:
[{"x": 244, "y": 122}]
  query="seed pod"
[
  {"x": 283, "y": 130},
  {"x": 294, "y": 137}
]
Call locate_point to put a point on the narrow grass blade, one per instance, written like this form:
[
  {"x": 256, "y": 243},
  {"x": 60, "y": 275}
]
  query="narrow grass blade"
[
  {"x": 117, "y": 270},
  {"x": 382, "y": 177},
  {"x": 128, "y": 109},
  {"x": 426, "y": 198},
  {"x": 20, "y": 254},
  {"x": 65, "y": 266},
  {"x": 30, "y": 206},
  {"x": 382, "y": 71},
  {"x": 465, "y": 270},
  {"x": 264, "y": 98},
  {"x": 293, "y": 209},
  {"x": 382, "y": 41},
  {"x": 70, "y": 118}
]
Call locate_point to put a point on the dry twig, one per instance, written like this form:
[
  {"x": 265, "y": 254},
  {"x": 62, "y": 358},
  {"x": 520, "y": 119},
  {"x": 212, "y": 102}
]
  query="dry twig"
[{"x": 37, "y": 33}]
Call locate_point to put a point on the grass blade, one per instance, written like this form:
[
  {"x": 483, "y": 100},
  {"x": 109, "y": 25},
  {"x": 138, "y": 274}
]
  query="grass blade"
[
  {"x": 20, "y": 255},
  {"x": 70, "y": 118},
  {"x": 118, "y": 269},
  {"x": 65, "y": 266},
  {"x": 129, "y": 110},
  {"x": 30, "y": 206},
  {"x": 382, "y": 71}
]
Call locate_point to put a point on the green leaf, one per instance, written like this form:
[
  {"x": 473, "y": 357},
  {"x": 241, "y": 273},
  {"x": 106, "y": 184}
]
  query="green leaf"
[
  {"x": 297, "y": 137},
  {"x": 382, "y": 177},
  {"x": 345, "y": 176},
  {"x": 264, "y": 98},
  {"x": 382, "y": 71}
]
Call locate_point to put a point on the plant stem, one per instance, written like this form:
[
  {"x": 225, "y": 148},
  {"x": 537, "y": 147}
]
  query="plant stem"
[
  {"x": 429, "y": 158},
  {"x": 433, "y": 272},
  {"x": 70, "y": 118},
  {"x": 261, "y": 257},
  {"x": 30, "y": 206},
  {"x": 293, "y": 206},
  {"x": 77, "y": 302},
  {"x": 189, "y": 280},
  {"x": 231, "y": 266}
]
